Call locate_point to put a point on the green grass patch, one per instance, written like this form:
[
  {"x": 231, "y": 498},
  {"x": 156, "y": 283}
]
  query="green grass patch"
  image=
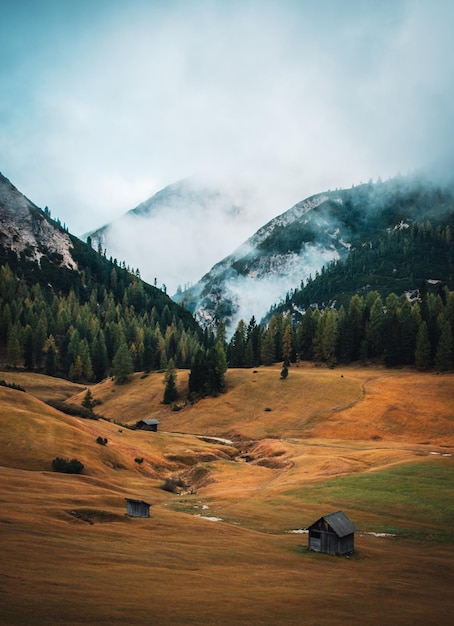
[{"x": 414, "y": 500}]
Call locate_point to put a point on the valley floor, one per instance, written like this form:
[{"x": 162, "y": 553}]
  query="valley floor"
[{"x": 228, "y": 549}]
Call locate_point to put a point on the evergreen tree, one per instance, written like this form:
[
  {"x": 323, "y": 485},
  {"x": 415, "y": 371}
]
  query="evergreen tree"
[
  {"x": 422, "y": 353},
  {"x": 28, "y": 348},
  {"x": 170, "y": 391},
  {"x": 443, "y": 358},
  {"x": 13, "y": 346},
  {"x": 253, "y": 343},
  {"x": 99, "y": 358},
  {"x": 237, "y": 346},
  {"x": 284, "y": 371},
  {"x": 88, "y": 402},
  {"x": 268, "y": 347},
  {"x": 198, "y": 375},
  {"x": 122, "y": 365}
]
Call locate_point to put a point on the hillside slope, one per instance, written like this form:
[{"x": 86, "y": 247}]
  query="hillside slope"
[
  {"x": 321, "y": 441},
  {"x": 295, "y": 246}
]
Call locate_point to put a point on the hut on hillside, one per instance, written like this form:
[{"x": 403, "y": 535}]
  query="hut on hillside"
[
  {"x": 332, "y": 534},
  {"x": 137, "y": 508},
  {"x": 150, "y": 424}
]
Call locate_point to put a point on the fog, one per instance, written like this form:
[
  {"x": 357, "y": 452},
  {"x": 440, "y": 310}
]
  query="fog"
[{"x": 104, "y": 103}]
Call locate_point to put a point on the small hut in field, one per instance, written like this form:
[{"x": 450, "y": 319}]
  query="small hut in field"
[
  {"x": 149, "y": 424},
  {"x": 137, "y": 508},
  {"x": 332, "y": 534}
]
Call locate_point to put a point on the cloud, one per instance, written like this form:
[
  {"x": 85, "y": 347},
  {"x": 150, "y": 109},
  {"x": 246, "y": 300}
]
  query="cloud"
[{"x": 105, "y": 103}]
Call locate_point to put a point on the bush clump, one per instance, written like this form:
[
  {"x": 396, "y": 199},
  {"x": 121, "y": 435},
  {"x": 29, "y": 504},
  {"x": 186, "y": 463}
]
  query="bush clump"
[
  {"x": 173, "y": 485},
  {"x": 3, "y": 383},
  {"x": 67, "y": 466},
  {"x": 101, "y": 440},
  {"x": 73, "y": 409}
]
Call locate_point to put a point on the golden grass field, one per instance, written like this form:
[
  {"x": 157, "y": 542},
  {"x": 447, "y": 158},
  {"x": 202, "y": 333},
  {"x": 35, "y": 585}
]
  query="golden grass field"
[{"x": 375, "y": 443}]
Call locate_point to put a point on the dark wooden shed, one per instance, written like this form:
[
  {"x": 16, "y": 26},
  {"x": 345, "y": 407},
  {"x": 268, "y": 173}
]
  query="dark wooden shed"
[
  {"x": 149, "y": 424},
  {"x": 332, "y": 534},
  {"x": 137, "y": 508}
]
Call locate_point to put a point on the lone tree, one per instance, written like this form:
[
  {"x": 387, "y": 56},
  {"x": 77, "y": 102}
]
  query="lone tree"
[
  {"x": 170, "y": 380},
  {"x": 284, "y": 371},
  {"x": 88, "y": 402}
]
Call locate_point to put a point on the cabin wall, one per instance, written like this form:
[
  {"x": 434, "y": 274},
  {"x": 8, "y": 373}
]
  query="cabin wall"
[
  {"x": 137, "y": 509},
  {"x": 330, "y": 543}
]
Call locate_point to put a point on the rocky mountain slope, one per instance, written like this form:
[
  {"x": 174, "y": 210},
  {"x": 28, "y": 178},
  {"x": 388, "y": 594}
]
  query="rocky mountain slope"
[
  {"x": 28, "y": 231},
  {"x": 295, "y": 246},
  {"x": 39, "y": 250}
]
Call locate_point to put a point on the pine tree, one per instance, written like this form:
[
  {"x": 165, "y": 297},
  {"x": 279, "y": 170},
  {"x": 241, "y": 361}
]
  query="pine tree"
[
  {"x": 443, "y": 357},
  {"x": 88, "y": 402},
  {"x": 122, "y": 365},
  {"x": 198, "y": 375},
  {"x": 28, "y": 348},
  {"x": 284, "y": 371},
  {"x": 170, "y": 391},
  {"x": 422, "y": 352},
  {"x": 13, "y": 346}
]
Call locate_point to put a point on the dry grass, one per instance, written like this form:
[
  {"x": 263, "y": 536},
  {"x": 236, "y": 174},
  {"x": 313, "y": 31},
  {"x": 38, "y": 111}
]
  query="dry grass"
[{"x": 356, "y": 439}]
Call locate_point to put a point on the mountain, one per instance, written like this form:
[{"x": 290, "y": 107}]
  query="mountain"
[
  {"x": 170, "y": 235},
  {"x": 69, "y": 310},
  {"x": 29, "y": 232},
  {"x": 326, "y": 228}
]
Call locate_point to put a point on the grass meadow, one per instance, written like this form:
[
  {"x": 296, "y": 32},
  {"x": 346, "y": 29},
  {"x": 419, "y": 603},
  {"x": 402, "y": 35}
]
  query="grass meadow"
[{"x": 229, "y": 547}]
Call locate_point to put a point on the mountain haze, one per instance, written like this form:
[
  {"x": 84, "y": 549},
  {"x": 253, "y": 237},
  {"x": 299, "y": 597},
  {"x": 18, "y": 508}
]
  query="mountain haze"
[
  {"x": 169, "y": 237},
  {"x": 325, "y": 228}
]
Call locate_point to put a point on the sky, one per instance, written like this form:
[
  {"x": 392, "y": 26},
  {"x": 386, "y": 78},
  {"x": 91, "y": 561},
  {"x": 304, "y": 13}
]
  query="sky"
[{"x": 105, "y": 102}]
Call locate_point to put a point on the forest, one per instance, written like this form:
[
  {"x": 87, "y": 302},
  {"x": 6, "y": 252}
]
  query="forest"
[
  {"x": 112, "y": 335},
  {"x": 378, "y": 304}
]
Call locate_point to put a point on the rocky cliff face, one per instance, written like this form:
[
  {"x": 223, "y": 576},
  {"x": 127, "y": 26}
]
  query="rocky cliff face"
[{"x": 26, "y": 230}]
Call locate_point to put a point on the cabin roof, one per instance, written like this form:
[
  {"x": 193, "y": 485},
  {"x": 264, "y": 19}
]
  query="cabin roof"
[
  {"x": 150, "y": 422},
  {"x": 339, "y": 522},
  {"x": 137, "y": 501}
]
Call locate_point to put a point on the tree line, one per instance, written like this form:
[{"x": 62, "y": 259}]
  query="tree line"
[
  {"x": 115, "y": 332},
  {"x": 87, "y": 341},
  {"x": 395, "y": 330}
]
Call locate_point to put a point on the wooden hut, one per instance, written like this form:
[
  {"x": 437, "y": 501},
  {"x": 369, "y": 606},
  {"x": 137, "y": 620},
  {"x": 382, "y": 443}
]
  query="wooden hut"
[
  {"x": 137, "y": 508},
  {"x": 150, "y": 424},
  {"x": 332, "y": 534}
]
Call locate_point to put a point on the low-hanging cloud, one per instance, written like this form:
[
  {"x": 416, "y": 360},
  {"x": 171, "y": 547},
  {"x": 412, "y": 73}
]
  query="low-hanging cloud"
[{"x": 105, "y": 103}]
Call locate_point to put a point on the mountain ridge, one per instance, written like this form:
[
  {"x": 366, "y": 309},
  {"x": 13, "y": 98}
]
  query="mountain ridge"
[{"x": 292, "y": 248}]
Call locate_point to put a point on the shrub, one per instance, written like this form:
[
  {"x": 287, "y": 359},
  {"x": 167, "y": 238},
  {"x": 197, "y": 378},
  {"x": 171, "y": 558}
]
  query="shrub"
[
  {"x": 66, "y": 466},
  {"x": 138, "y": 460},
  {"x": 101, "y": 440},
  {"x": 3, "y": 383},
  {"x": 173, "y": 485},
  {"x": 73, "y": 410}
]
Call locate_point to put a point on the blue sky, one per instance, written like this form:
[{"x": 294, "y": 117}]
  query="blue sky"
[{"x": 103, "y": 102}]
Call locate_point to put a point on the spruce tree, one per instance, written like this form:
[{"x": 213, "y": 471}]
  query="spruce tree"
[
  {"x": 422, "y": 352},
  {"x": 443, "y": 358},
  {"x": 170, "y": 379},
  {"x": 122, "y": 366},
  {"x": 88, "y": 402}
]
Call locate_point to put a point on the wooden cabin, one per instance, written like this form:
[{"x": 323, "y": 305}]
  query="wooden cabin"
[
  {"x": 150, "y": 424},
  {"x": 137, "y": 508},
  {"x": 332, "y": 534}
]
